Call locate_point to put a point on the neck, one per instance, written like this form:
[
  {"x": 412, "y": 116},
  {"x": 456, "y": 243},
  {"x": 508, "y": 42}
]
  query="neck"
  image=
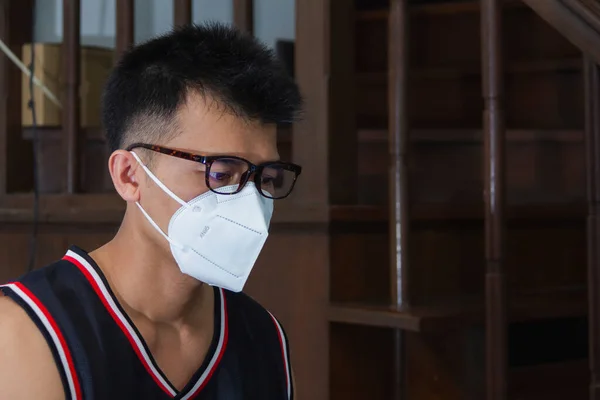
[{"x": 148, "y": 282}]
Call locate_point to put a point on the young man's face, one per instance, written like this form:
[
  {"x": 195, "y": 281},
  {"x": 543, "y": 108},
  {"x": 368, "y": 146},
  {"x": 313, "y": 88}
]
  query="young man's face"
[{"x": 203, "y": 129}]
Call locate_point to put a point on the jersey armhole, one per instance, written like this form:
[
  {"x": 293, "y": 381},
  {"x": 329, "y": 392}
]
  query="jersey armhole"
[
  {"x": 44, "y": 321},
  {"x": 285, "y": 354}
]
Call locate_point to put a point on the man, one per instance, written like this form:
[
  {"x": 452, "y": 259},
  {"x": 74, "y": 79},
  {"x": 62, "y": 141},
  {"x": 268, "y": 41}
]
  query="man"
[{"x": 158, "y": 313}]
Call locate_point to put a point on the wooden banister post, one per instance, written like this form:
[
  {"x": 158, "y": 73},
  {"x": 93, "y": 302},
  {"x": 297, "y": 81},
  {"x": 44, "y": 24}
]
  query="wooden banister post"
[
  {"x": 182, "y": 12},
  {"x": 398, "y": 176},
  {"x": 592, "y": 145},
  {"x": 72, "y": 76},
  {"x": 243, "y": 15},
  {"x": 494, "y": 195},
  {"x": 125, "y": 36}
]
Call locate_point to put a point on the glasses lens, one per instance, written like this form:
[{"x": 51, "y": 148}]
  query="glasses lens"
[
  {"x": 276, "y": 181},
  {"x": 226, "y": 172}
]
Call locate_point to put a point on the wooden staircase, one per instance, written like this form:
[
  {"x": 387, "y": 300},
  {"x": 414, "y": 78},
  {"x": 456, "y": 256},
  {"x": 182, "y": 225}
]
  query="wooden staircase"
[
  {"x": 441, "y": 351},
  {"x": 577, "y": 20}
]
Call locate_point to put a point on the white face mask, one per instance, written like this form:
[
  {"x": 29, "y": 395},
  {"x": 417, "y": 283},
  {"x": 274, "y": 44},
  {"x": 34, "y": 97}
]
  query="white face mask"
[{"x": 217, "y": 238}]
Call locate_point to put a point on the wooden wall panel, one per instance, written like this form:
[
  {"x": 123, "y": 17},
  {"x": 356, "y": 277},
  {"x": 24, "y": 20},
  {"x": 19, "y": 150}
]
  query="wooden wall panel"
[
  {"x": 53, "y": 241},
  {"x": 436, "y": 367},
  {"x": 359, "y": 264},
  {"x": 290, "y": 279},
  {"x": 444, "y": 77},
  {"x": 544, "y": 382},
  {"x": 551, "y": 100},
  {"x": 448, "y": 262},
  {"x": 367, "y": 351},
  {"x": 449, "y": 99},
  {"x": 543, "y": 166},
  {"x": 16, "y": 164},
  {"x": 13, "y": 255}
]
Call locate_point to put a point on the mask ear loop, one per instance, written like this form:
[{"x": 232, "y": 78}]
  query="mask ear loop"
[
  {"x": 174, "y": 243},
  {"x": 159, "y": 183},
  {"x": 169, "y": 192}
]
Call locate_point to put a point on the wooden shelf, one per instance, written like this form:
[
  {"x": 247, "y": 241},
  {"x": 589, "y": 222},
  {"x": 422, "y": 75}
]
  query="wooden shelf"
[
  {"x": 108, "y": 208},
  {"x": 56, "y": 133},
  {"x": 294, "y": 213},
  {"x": 416, "y": 135},
  {"x": 61, "y": 208},
  {"x": 455, "y": 313},
  {"x": 448, "y": 8},
  {"x": 414, "y": 319},
  {"x": 468, "y": 135},
  {"x": 551, "y": 65},
  {"x": 461, "y": 212},
  {"x": 284, "y": 133}
]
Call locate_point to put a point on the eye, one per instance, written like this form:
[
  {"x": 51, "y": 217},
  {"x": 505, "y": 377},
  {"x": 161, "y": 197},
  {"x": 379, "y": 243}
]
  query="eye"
[
  {"x": 266, "y": 179},
  {"x": 225, "y": 172},
  {"x": 220, "y": 176},
  {"x": 270, "y": 176}
]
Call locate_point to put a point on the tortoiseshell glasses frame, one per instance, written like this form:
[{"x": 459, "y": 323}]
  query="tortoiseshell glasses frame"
[{"x": 255, "y": 170}]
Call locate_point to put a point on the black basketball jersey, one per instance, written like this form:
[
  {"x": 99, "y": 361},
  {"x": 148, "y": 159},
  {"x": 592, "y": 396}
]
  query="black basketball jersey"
[{"x": 101, "y": 355}]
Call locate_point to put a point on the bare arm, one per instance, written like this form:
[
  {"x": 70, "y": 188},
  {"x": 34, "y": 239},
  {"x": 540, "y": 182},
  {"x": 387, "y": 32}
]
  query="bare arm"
[{"x": 27, "y": 368}]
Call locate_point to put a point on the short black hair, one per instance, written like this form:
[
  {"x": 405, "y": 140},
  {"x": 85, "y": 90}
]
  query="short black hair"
[{"x": 152, "y": 80}]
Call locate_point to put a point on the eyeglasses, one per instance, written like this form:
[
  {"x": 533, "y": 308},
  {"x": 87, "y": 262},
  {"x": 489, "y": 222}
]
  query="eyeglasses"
[{"x": 274, "y": 180}]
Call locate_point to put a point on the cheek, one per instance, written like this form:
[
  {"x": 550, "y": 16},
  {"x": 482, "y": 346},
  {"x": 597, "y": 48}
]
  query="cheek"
[
  {"x": 183, "y": 180},
  {"x": 158, "y": 204},
  {"x": 189, "y": 185},
  {"x": 184, "y": 183}
]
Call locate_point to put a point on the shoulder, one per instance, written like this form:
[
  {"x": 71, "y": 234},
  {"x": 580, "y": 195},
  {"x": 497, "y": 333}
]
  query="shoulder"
[
  {"x": 27, "y": 368},
  {"x": 241, "y": 302},
  {"x": 262, "y": 323},
  {"x": 257, "y": 320}
]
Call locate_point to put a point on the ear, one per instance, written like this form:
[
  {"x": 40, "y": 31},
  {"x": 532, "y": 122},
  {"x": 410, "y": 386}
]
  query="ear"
[{"x": 123, "y": 168}]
